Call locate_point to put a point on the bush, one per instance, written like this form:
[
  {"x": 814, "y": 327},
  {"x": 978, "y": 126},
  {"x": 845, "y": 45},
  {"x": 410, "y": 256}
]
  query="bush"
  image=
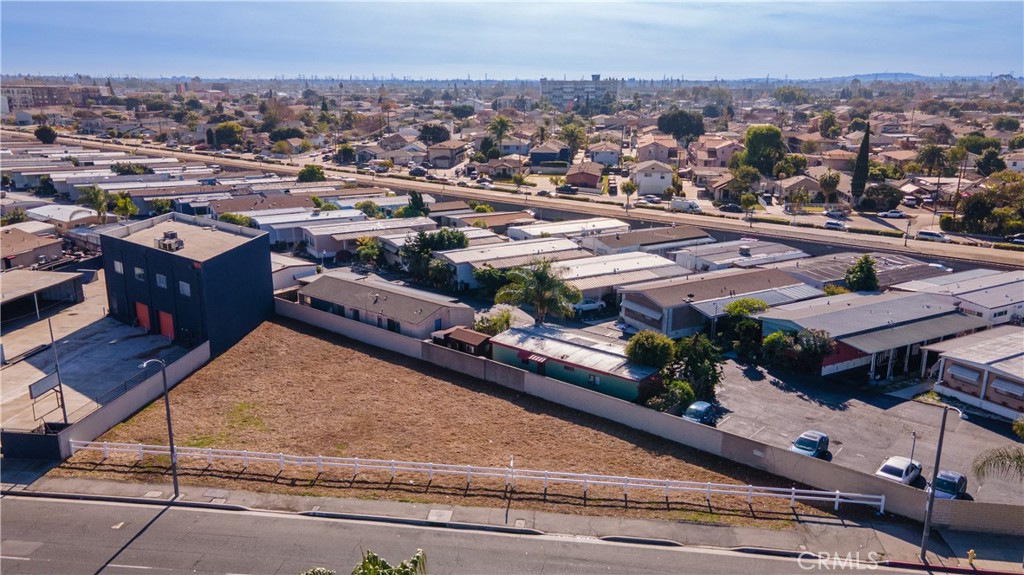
[
  {"x": 770, "y": 220},
  {"x": 554, "y": 164},
  {"x": 868, "y": 204},
  {"x": 1011, "y": 247},
  {"x": 873, "y": 232},
  {"x": 947, "y": 223},
  {"x": 650, "y": 348},
  {"x": 677, "y": 396}
]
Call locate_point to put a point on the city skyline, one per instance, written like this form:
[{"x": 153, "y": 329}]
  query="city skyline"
[{"x": 452, "y": 40}]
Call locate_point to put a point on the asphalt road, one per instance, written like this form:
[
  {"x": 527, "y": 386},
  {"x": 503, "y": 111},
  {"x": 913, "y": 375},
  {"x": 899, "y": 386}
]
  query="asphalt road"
[
  {"x": 57, "y": 537},
  {"x": 865, "y": 428},
  {"x": 841, "y": 240}
]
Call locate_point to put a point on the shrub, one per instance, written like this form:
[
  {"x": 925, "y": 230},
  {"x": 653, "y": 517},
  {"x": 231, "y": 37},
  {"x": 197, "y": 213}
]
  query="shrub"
[
  {"x": 947, "y": 223},
  {"x": 873, "y": 232},
  {"x": 554, "y": 164},
  {"x": 1006, "y": 246},
  {"x": 650, "y": 348}
]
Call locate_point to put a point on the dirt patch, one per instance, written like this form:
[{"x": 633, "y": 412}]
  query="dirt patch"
[{"x": 294, "y": 389}]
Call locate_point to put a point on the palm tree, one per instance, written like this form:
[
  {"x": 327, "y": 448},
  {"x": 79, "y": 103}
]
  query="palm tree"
[
  {"x": 124, "y": 206},
  {"x": 499, "y": 127},
  {"x": 368, "y": 250},
  {"x": 96, "y": 198},
  {"x": 540, "y": 285},
  {"x": 575, "y": 137},
  {"x": 541, "y": 134},
  {"x": 1007, "y": 461},
  {"x": 932, "y": 157}
]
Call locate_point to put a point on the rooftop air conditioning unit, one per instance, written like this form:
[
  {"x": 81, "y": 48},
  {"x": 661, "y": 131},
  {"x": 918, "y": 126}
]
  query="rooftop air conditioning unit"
[{"x": 170, "y": 242}]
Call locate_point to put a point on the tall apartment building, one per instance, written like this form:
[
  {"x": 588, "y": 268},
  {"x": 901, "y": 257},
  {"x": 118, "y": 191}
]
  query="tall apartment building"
[
  {"x": 20, "y": 97},
  {"x": 561, "y": 92}
]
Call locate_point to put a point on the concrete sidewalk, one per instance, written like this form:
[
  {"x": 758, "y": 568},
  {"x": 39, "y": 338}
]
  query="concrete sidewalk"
[{"x": 879, "y": 540}]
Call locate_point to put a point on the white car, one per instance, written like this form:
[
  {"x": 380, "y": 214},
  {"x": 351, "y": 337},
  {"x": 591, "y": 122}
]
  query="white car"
[
  {"x": 892, "y": 214},
  {"x": 588, "y": 305},
  {"x": 930, "y": 236},
  {"x": 835, "y": 225},
  {"x": 899, "y": 469}
]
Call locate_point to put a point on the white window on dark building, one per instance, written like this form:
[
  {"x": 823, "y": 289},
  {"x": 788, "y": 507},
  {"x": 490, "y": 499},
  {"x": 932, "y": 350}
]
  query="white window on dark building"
[
  {"x": 118, "y": 267},
  {"x": 161, "y": 281},
  {"x": 185, "y": 288},
  {"x": 140, "y": 274}
]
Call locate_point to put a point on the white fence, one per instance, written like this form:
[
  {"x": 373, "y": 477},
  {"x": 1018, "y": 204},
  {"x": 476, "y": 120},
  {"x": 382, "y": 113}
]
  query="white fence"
[{"x": 510, "y": 475}]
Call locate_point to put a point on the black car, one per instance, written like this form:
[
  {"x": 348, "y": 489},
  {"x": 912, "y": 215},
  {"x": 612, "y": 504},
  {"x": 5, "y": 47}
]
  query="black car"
[
  {"x": 432, "y": 178},
  {"x": 545, "y": 194},
  {"x": 731, "y": 208},
  {"x": 567, "y": 189},
  {"x": 417, "y": 172}
]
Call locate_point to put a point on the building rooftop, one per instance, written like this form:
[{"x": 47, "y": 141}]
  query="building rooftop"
[
  {"x": 890, "y": 268},
  {"x": 743, "y": 253},
  {"x": 60, "y": 213},
  {"x": 525, "y": 248},
  {"x": 652, "y": 236},
  {"x": 580, "y": 348},
  {"x": 591, "y": 226},
  {"x": 352, "y": 230},
  {"x": 712, "y": 286},
  {"x": 21, "y": 283},
  {"x": 14, "y": 241},
  {"x": 611, "y": 264},
  {"x": 404, "y": 304},
  {"x": 945, "y": 283},
  {"x": 203, "y": 238},
  {"x": 305, "y": 218},
  {"x": 854, "y": 313},
  {"x": 1002, "y": 351}
]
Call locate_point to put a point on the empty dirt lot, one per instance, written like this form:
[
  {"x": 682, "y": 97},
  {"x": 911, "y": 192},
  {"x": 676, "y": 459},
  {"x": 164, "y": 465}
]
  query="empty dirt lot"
[{"x": 294, "y": 389}]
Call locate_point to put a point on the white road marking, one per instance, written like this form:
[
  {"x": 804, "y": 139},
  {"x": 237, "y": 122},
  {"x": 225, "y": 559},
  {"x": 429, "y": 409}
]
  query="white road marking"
[
  {"x": 128, "y": 566},
  {"x": 14, "y": 558},
  {"x": 118, "y": 526},
  {"x": 756, "y": 432}
]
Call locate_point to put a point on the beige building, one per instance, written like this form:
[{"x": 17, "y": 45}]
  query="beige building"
[{"x": 19, "y": 248}]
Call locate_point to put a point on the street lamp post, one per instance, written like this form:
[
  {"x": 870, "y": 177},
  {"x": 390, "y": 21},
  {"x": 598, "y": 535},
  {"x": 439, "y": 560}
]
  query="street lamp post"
[
  {"x": 906, "y": 236},
  {"x": 170, "y": 428},
  {"x": 935, "y": 474}
]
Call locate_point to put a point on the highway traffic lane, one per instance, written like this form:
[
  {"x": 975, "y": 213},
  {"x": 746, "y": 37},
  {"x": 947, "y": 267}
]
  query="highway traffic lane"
[{"x": 58, "y": 536}]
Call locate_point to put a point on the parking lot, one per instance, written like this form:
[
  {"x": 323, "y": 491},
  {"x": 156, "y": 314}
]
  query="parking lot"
[{"x": 865, "y": 427}]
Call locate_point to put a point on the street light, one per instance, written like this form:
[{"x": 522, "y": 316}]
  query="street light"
[
  {"x": 907, "y": 235},
  {"x": 170, "y": 428},
  {"x": 935, "y": 474}
]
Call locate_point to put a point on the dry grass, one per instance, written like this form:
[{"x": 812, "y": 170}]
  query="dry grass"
[{"x": 294, "y": 389}]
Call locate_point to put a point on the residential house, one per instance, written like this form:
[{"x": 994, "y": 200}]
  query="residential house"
[
  {"x": 286, "y": 228},
  {"x": 652, "y": 177},
  {"x": 784, "y": 188},
  {"x": 189, "y": 279},
  {"x": 878, "y": 334},
  {"x": 513, "y": 145},
  {"x": 891, "y": 269},
  {"x": 898, "y": 157},
  {"x": 463, "y": 262},
  {"x": 996, "y": 297},
  {"x": 285, "y": 270},
  {"x": 64, "y": 217},
  {"x": 681, "y": 306},
  {"x": 573, "y": 356},
  {"x": 19, "y": 248},
  {"x": 658, "y": 241},
  {"x": 657, "y": 148},
  {"x": 605, "y": 153},
  {"x": 838, "y": 160},
  {"x": 1014, "y": 161},
  {"x": 502, "y": 168},
  {"x": 746, "y": 253},
  {"x": 497, "y": 222},
  {"x": 709, "y": 151},
  {"x": 567, "y": 229},
  {"x": 339, "y": 240},
  {"x": 585, "y": 175},
  {"x": 403, "y": 310},
  {"x": 447, "y": 154},
  {"x": 843, "y": 190},
  {"x": 597, "y": 277},
  {"x": 463, "y": 339},
  {"x": 550, "y": 151},
  {"x": 984, "y": 369}
]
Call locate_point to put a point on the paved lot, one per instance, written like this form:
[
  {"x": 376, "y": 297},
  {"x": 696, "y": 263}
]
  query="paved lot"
[
  {"x": 865, "y": 427},
  {"x": 96, "y": 353}
]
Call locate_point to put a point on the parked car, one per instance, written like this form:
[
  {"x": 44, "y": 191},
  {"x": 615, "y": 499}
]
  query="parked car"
[
  {"x": 417, "y": 172},
  {"x": 654, "y": 200},
  {"x": 930, "y": 236},
  {"x": 588, "y": 305},
  {"x": 892, "y": 214},
  {"x": 835, "y": 225},
  {"x": 731, "y": 208},
  {"x": 545, "y": 194},
  {"x": 950, "y": 485},
  {"x": 484, "y": 180},
  {"x": 700, "y": 412},
  {"x": 811, "y": 443},
  {"x": 835, "y": 214},
  {"x": 432, "y": 178},
  {"x": 641, "y": 204},
  {"x": 910, "y": 201},
  {"x": 567, "y": 189},
  {"x": 899, "y": 469},
  {"x": 462, "y": 184}
]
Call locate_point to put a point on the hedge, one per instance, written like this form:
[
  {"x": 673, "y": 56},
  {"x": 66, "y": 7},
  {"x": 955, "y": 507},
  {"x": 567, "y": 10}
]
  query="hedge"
[
  {"x": 887, "y": 233},
  {"x": 1011, "y": 247},
  {"x": 554, "y": 164},
  {"x": 770, "y": 220}
]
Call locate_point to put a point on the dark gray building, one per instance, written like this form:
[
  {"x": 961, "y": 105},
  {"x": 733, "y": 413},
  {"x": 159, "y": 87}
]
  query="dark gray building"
[{"x": 189, "y": 279}]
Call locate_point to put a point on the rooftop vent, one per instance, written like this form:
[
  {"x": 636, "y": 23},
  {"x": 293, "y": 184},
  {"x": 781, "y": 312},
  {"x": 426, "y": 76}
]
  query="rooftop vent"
[
  {"x": 170, "y": 242},
  {"x": 745, "y": 250}
]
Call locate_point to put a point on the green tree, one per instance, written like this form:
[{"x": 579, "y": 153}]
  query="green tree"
[
  {"x": 96, "y": 198},
  {"x": 858, "y": 125},
  {"x": 46, "y": 134},
  {"x": 699, "y": 362},
  {"x": 829, "y": 183},
  {"x": 791, "y": 95},
  {"x": 160, "y": 205},
  {"x": 15, "y": 216},
  {"x": 628, "y": 189},
  {"x": 813, "y": 346},
  {"x": 319, "y": 571},
  {"x": 748, "y": 201},
  {"x": 990, "y": 162},
  {"x": 312, "y": 173},
  {"x": 932, "y": 157},
  {"x": 1016, "y": 142},
  {"x": 745, "y": 307},
  {"x": 438, "y": 273},
  {"x": 861, "y": 276},
  {"x": 575, "y": 137},
  {"x": 373, "y": 564},
  {"x": 1005, "y": 124},
  {"x": 345, "y": 155},
  {"x": 491, "y": 279},
  {"x": 650, "y": 348},
  {"x": 976, "y": 143},
  {"x": 777, "y": 349},
  {"x": 743, "y": 179},
  {"x": 369, "y": 208},
  {"x": 518, "y": 180},
  {"x": 46, "y": 187},
  {"x": 483, "y": 208},
  {"x": 499, "y": 127},
  {"x": 238, "y": 220},
  {"x": 541, "y": 286},
  {"x": 832, "y": 289},
  {"x": 369, "y": 251},
  {"x": 416, "y": 207},
  {"x": 282, "y": 148},
  {"x": 495, "y": 322},
  {"x": 286, "y": 134},
  {"x": 683, "y": 125},
  {"x": 462, "y": 111},
  {"x": 130, "y": 169},
  {"x": 828, "y": 126},
  {"x": 860, "y": 167},
  {"x": 229, "y": 133},
  {"x": 434, "y": 134},
  {"x": 124, "y": 206},
  {"x": 765, "y": 147},
  {"x": 676, "y": 396},
  {"x": 418, "y": 250}
]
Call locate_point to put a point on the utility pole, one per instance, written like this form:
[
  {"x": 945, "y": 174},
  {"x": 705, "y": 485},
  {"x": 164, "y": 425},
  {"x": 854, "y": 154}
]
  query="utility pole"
[{"x": 931, "y": 492}]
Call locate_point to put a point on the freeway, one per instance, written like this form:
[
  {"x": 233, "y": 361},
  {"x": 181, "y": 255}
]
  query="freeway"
[
  {"x": 950, "y": 253},
  {"x": 58, "y": 537}
]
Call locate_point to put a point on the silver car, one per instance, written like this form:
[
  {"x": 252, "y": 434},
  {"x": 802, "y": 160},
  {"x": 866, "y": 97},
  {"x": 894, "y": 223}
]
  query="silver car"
[{"x": 899, "y": 469}]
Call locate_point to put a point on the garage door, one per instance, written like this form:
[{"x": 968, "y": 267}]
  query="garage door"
[
  {"x": 142, "y": 315},
  {"x": 166, "y": 325}
]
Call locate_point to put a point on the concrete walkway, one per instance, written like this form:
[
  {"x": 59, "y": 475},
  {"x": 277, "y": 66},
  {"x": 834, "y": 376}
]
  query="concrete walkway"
[{"x": 879, "y": 540}]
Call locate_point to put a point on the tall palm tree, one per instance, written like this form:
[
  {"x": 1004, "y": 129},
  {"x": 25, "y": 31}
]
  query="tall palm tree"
[
  {"x": 932, "y": 157},
  {"x": 540, "y": 285},
  {"x": 499, "y": 127},
  {"x": 96, "y": 198},
  {"x": 1007, "y": 461},
  {"x": 541, "y": 134}
]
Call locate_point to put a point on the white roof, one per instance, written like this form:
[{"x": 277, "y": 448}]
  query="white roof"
[
  {"x": 307, "y": 218},
  {"x": 610, "y": 264},
  {"x": 507, "y": 250},
  {"x": 60, "y": 213},
  {"x": 573, "y": 227}
]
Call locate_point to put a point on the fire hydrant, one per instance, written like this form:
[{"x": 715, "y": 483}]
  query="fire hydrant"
[{"x": 970, "y": 557}]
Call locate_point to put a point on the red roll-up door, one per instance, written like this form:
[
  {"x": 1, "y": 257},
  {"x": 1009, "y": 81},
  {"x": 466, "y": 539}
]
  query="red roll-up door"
[
  {"x": 142, "y": 315},
  {"x": 166, "y": 325}
]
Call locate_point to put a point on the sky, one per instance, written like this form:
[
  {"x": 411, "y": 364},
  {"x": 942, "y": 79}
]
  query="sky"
[{"x": 509, "y": 40}]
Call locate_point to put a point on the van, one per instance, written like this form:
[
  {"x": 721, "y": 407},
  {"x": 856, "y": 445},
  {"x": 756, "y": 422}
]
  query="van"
[
  {"x": 684, "y": 205},
  {"x": 930, "y": 236}
]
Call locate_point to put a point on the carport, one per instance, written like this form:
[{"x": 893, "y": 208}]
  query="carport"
[
  {"x": 16, "y": 286},
  {"x": 890, "y": 345}
]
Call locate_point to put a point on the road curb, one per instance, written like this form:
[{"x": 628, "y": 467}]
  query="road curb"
[
  {"x": 124, "y": 499},
  {"x": 422, "y": 522},
  {"x": 944, "y": 568},
  {"x": 772, "y": 552},
  {"x": 641, "y": 541}
]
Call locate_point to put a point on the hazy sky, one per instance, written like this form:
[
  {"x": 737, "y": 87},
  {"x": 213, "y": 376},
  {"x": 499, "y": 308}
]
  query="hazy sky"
[{"x": 694, "y": 40}]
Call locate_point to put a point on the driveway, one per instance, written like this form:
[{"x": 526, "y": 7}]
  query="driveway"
[{"x": 865, "y": 427}]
